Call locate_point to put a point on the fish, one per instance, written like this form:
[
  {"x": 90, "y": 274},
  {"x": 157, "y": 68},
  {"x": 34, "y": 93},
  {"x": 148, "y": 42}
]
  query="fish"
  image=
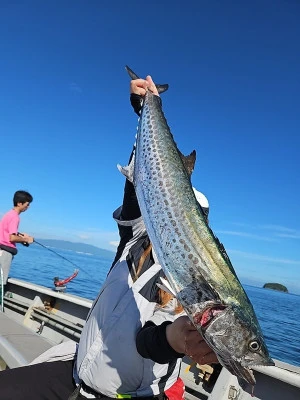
[{"x": 195, "y": 263}]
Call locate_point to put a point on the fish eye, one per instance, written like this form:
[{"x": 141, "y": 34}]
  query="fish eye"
[{"x": 254, "y": 345}]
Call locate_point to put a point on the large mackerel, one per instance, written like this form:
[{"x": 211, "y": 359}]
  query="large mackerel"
[{"x": 196, "y": 265}]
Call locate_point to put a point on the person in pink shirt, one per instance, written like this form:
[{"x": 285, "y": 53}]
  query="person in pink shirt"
[{"x": 9, "y": 234}]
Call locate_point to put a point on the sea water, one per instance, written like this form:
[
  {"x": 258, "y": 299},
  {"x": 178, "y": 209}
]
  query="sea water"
[{"x": 277, "y": 312}]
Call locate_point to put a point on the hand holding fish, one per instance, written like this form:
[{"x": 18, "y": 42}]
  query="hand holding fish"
[
  {"x": 183, "y": 337},
  {"x": 140, "y": 86}
]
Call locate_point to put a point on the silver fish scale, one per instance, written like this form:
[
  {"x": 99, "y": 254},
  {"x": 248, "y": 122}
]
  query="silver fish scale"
[{"x": 175, "y": 224}]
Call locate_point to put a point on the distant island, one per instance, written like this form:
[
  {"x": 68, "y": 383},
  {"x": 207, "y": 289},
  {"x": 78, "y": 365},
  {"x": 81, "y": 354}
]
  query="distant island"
[
  {"x": 79, "y": 247},
  {"x": 275, "y": 286}
]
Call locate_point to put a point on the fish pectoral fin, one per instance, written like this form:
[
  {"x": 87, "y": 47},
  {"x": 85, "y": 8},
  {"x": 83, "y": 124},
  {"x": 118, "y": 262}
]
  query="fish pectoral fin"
[
  {"x": 164, "y": 285},
  {"x": 129, "y": 169},
  {"x": 189, "y": 161},
  {"x": 126, "y": 171},
  {"x": 160, "y": 87},
  {"x": 202, "y": 293}
]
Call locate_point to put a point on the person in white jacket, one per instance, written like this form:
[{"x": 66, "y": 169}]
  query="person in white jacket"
[{"x": 135, "y": 334}]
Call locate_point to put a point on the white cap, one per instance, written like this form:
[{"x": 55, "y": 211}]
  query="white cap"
[{"x": 202, "y": 200}]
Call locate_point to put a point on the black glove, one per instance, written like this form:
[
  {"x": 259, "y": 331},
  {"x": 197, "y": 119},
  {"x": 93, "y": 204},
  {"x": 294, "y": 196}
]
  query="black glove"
[{"x": 137, "y": 102}]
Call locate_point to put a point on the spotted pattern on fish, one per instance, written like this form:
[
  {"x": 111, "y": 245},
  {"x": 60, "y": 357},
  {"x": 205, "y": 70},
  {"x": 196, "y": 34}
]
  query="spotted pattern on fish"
[{"x": 197, "y": 268}]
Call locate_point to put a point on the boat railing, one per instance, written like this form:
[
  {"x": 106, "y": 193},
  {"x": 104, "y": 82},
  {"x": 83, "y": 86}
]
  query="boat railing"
[
  {"x": 45, "y": 318},
  {"x": 2, "y": 290}
]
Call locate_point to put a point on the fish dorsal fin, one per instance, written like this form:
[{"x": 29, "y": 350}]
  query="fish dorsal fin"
[
  {"x": 189, "y": 161},
  {"x": 133, "y": 75}
]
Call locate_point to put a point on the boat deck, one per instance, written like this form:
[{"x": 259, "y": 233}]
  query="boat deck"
[{"x": 18, "y": 344}]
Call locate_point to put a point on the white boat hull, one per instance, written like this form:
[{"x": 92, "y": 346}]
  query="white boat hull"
[{"x": 43, "y": 317}]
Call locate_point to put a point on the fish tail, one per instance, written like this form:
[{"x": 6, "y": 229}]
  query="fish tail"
[{"x": 132, "y": 74}]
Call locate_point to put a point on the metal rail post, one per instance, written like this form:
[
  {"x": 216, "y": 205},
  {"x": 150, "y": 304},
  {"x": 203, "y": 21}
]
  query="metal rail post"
[{"x": 2, "y": 289}]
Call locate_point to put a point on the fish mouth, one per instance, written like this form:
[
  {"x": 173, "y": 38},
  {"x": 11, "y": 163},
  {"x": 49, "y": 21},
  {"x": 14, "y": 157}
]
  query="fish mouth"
[
  {"x": 247, "y": 374},
  {"x": 267, "y": 363},
  {"x": 239, "y": 370}
]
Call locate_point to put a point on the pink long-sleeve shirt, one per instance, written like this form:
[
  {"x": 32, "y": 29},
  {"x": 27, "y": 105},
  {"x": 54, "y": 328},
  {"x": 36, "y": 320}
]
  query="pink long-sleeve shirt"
[{"x": 9, "y": 224}]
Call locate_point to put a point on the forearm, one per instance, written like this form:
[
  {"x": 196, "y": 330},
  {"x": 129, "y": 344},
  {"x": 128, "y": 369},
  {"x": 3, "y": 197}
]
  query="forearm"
[
  {"x": 151, "y": 342},
  {"x": 20, "y": 238},
  {"x": 16, "y": 239}
]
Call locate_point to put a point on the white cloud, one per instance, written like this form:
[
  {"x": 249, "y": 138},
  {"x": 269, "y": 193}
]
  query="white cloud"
[
  {"x": 264, "y": 258},
  {"x": 277, "y": 228},
  {"x": 275, "y": 232},
  {"x": 245, "y": 234},
  {"x": 84, "y": 236},
  {"x": 289, "y": 235}
]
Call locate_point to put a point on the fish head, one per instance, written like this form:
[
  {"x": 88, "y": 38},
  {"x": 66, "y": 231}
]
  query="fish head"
[{"x": 236, "y": 338}]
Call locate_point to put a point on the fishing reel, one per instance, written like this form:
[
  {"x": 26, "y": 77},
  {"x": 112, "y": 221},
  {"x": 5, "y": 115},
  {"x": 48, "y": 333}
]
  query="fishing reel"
[{"x": 23, "y": 243}]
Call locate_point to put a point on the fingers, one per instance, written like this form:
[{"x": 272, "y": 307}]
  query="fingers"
[
  {"x": 209, "y": 358},
  {"x": 31, "y": 239},
  {"x": 197, "y": 349},
  {"x": 176, "y": 332},
  {"x": 140, "y": 86},
  {"x": 184, "y": 338},
  {"x": 151, "y": 86},
  {"x": 27, "y": 238}
]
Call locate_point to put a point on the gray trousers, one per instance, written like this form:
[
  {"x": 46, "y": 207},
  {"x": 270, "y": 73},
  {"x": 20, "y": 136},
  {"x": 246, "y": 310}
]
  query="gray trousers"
[{"x": 5, "y": 263}]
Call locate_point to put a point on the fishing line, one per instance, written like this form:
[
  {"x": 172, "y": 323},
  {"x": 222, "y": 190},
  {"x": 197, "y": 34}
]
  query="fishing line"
[
  {"x": 64, "y": 258},
  {"x": 59, "y": 255}
]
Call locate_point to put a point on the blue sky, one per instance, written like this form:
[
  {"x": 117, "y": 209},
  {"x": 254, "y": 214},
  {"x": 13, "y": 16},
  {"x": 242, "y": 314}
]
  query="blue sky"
[{"x": 234, "y": 74}]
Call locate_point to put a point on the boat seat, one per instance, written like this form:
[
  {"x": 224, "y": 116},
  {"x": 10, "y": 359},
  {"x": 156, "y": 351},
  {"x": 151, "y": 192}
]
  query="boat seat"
[{"x": 18, "y": 344}]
